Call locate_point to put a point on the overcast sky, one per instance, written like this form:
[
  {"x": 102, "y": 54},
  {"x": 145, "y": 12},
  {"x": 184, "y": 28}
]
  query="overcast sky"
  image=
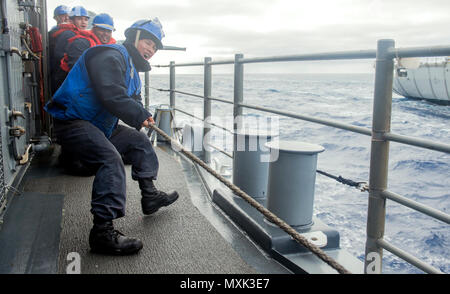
[{"x": 256, "y": 28}]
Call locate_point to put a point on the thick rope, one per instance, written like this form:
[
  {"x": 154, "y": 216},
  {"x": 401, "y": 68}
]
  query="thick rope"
[{"x": 269, "y": 215}]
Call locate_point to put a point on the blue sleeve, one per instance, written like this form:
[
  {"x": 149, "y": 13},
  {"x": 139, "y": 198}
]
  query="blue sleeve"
[{"x": 107, "y": 71}]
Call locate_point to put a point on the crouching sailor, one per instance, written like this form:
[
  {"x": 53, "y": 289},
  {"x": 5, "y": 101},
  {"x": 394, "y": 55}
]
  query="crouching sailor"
[{"x": 103, "y": 87}]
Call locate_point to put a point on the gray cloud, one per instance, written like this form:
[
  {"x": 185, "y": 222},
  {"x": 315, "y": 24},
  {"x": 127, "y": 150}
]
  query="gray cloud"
[
  {"x": 327, "y": 38},
  {"x": 354, "y": 25}
]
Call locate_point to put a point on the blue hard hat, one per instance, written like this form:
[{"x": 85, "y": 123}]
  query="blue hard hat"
[
  {"x": 105, "y": 21},
  {"x": 152, "y": 27},
  {"x": 79, "y": 11},
  {"x": 60, "y": 10}
]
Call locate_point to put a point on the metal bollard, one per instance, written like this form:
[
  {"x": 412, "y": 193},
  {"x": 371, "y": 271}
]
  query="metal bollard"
[
  {"x": 251, "y": 162},
  {"x": 163, "y": 120},
  {"x": 193, "y": 138},
  {"x": 290, "y": 188}
]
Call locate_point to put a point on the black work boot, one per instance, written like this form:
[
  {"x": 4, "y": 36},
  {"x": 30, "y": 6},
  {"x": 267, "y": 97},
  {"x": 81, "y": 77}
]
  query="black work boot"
[
  {"x": 104, "y": 239},
  {"x": 152, "y": 198}
]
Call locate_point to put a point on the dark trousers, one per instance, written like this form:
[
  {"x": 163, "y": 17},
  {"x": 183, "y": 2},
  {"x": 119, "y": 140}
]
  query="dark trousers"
[{"x": 86, "y": 142}]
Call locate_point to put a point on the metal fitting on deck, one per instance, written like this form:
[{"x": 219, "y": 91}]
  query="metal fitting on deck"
[
  {"x": 292, "y": 178},
  {"x": 251, "y": 161}
]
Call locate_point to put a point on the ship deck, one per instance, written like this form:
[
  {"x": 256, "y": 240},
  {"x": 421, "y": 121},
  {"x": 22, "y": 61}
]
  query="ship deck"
[{"x": 51, "y": 218}]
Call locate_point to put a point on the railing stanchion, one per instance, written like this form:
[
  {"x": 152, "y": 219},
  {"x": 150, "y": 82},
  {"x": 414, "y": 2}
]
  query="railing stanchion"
[
  {"x": 172, "y": 85},
  {"x": 238, "y": 89},
  {"x": 207, "y": 110},
  {"x": 379, "y": 160},
  {"x": 238, "y": 96},
  {"x": 147, "y": 89}
]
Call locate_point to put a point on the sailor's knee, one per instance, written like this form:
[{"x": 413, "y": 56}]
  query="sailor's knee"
[
  {"x": 114, "y": 158},
  {"x": 143, "y": 138}
]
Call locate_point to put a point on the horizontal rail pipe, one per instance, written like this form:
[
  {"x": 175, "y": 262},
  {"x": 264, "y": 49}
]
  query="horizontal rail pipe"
[
  {"x": 181, "y": 64},
  {"x": 417, "y": 142},
  {"x": 408, "y": 257},
  {"x": 187, "y": 113},
  {"x": 173, "y": 48},
  {"x": 221, "y": 62},
  {"x": 189, "y": 94},
  {"x": 221, "y": 100},
  {"x": 362, "y": 54},
  {"x": 203, "y": 97},
  {"x": 218, "y": 62},
  {"x": 417, "y": 206},
  {"x": 201, "y": 119},
  {"x": 420, "y": 51},
  {"x": 327, "y": 122},
  {"x": 190, "y": 64}
]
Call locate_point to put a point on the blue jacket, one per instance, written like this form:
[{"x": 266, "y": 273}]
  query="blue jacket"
[{"x": 81, "y": 96}]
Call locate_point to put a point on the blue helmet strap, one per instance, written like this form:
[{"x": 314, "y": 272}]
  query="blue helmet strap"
[
  {"x": 138, "y": 35},
  {"x": 138, "y": 32},
  {"x": 132, "y": 69}
]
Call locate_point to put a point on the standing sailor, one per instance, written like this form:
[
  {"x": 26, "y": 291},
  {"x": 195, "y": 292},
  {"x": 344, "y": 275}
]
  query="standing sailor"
[
  {"x": 61, "y": 15},
  {"x": 103, "y": 87},
  {"x": 79, "y": 18},
  {"x": 101, "y": 33}
]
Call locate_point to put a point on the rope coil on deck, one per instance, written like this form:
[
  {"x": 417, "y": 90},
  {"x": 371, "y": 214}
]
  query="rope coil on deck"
[{"x": 269, "y": 215}]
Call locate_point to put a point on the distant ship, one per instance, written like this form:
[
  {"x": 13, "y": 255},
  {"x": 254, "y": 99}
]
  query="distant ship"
[{"x": 423, "y": 80}]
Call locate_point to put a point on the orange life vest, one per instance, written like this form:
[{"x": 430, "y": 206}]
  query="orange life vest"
[
  {"x": 82, "y": 34},
  {"x": 65, "y": 27}
]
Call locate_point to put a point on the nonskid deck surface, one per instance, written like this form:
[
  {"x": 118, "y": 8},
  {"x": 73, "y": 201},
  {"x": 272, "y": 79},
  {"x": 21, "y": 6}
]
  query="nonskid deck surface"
[{"x": 177, "y": 239}]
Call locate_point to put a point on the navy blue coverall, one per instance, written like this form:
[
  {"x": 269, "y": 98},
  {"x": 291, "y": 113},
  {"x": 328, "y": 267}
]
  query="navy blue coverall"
[{"x": 89, "y": 144}]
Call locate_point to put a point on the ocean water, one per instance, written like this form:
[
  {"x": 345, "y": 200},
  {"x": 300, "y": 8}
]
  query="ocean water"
[{"x": 419, "y": 174}]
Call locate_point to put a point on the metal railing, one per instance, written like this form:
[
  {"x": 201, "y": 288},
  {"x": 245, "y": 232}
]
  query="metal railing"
[{"x": 380, "y": 133}]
